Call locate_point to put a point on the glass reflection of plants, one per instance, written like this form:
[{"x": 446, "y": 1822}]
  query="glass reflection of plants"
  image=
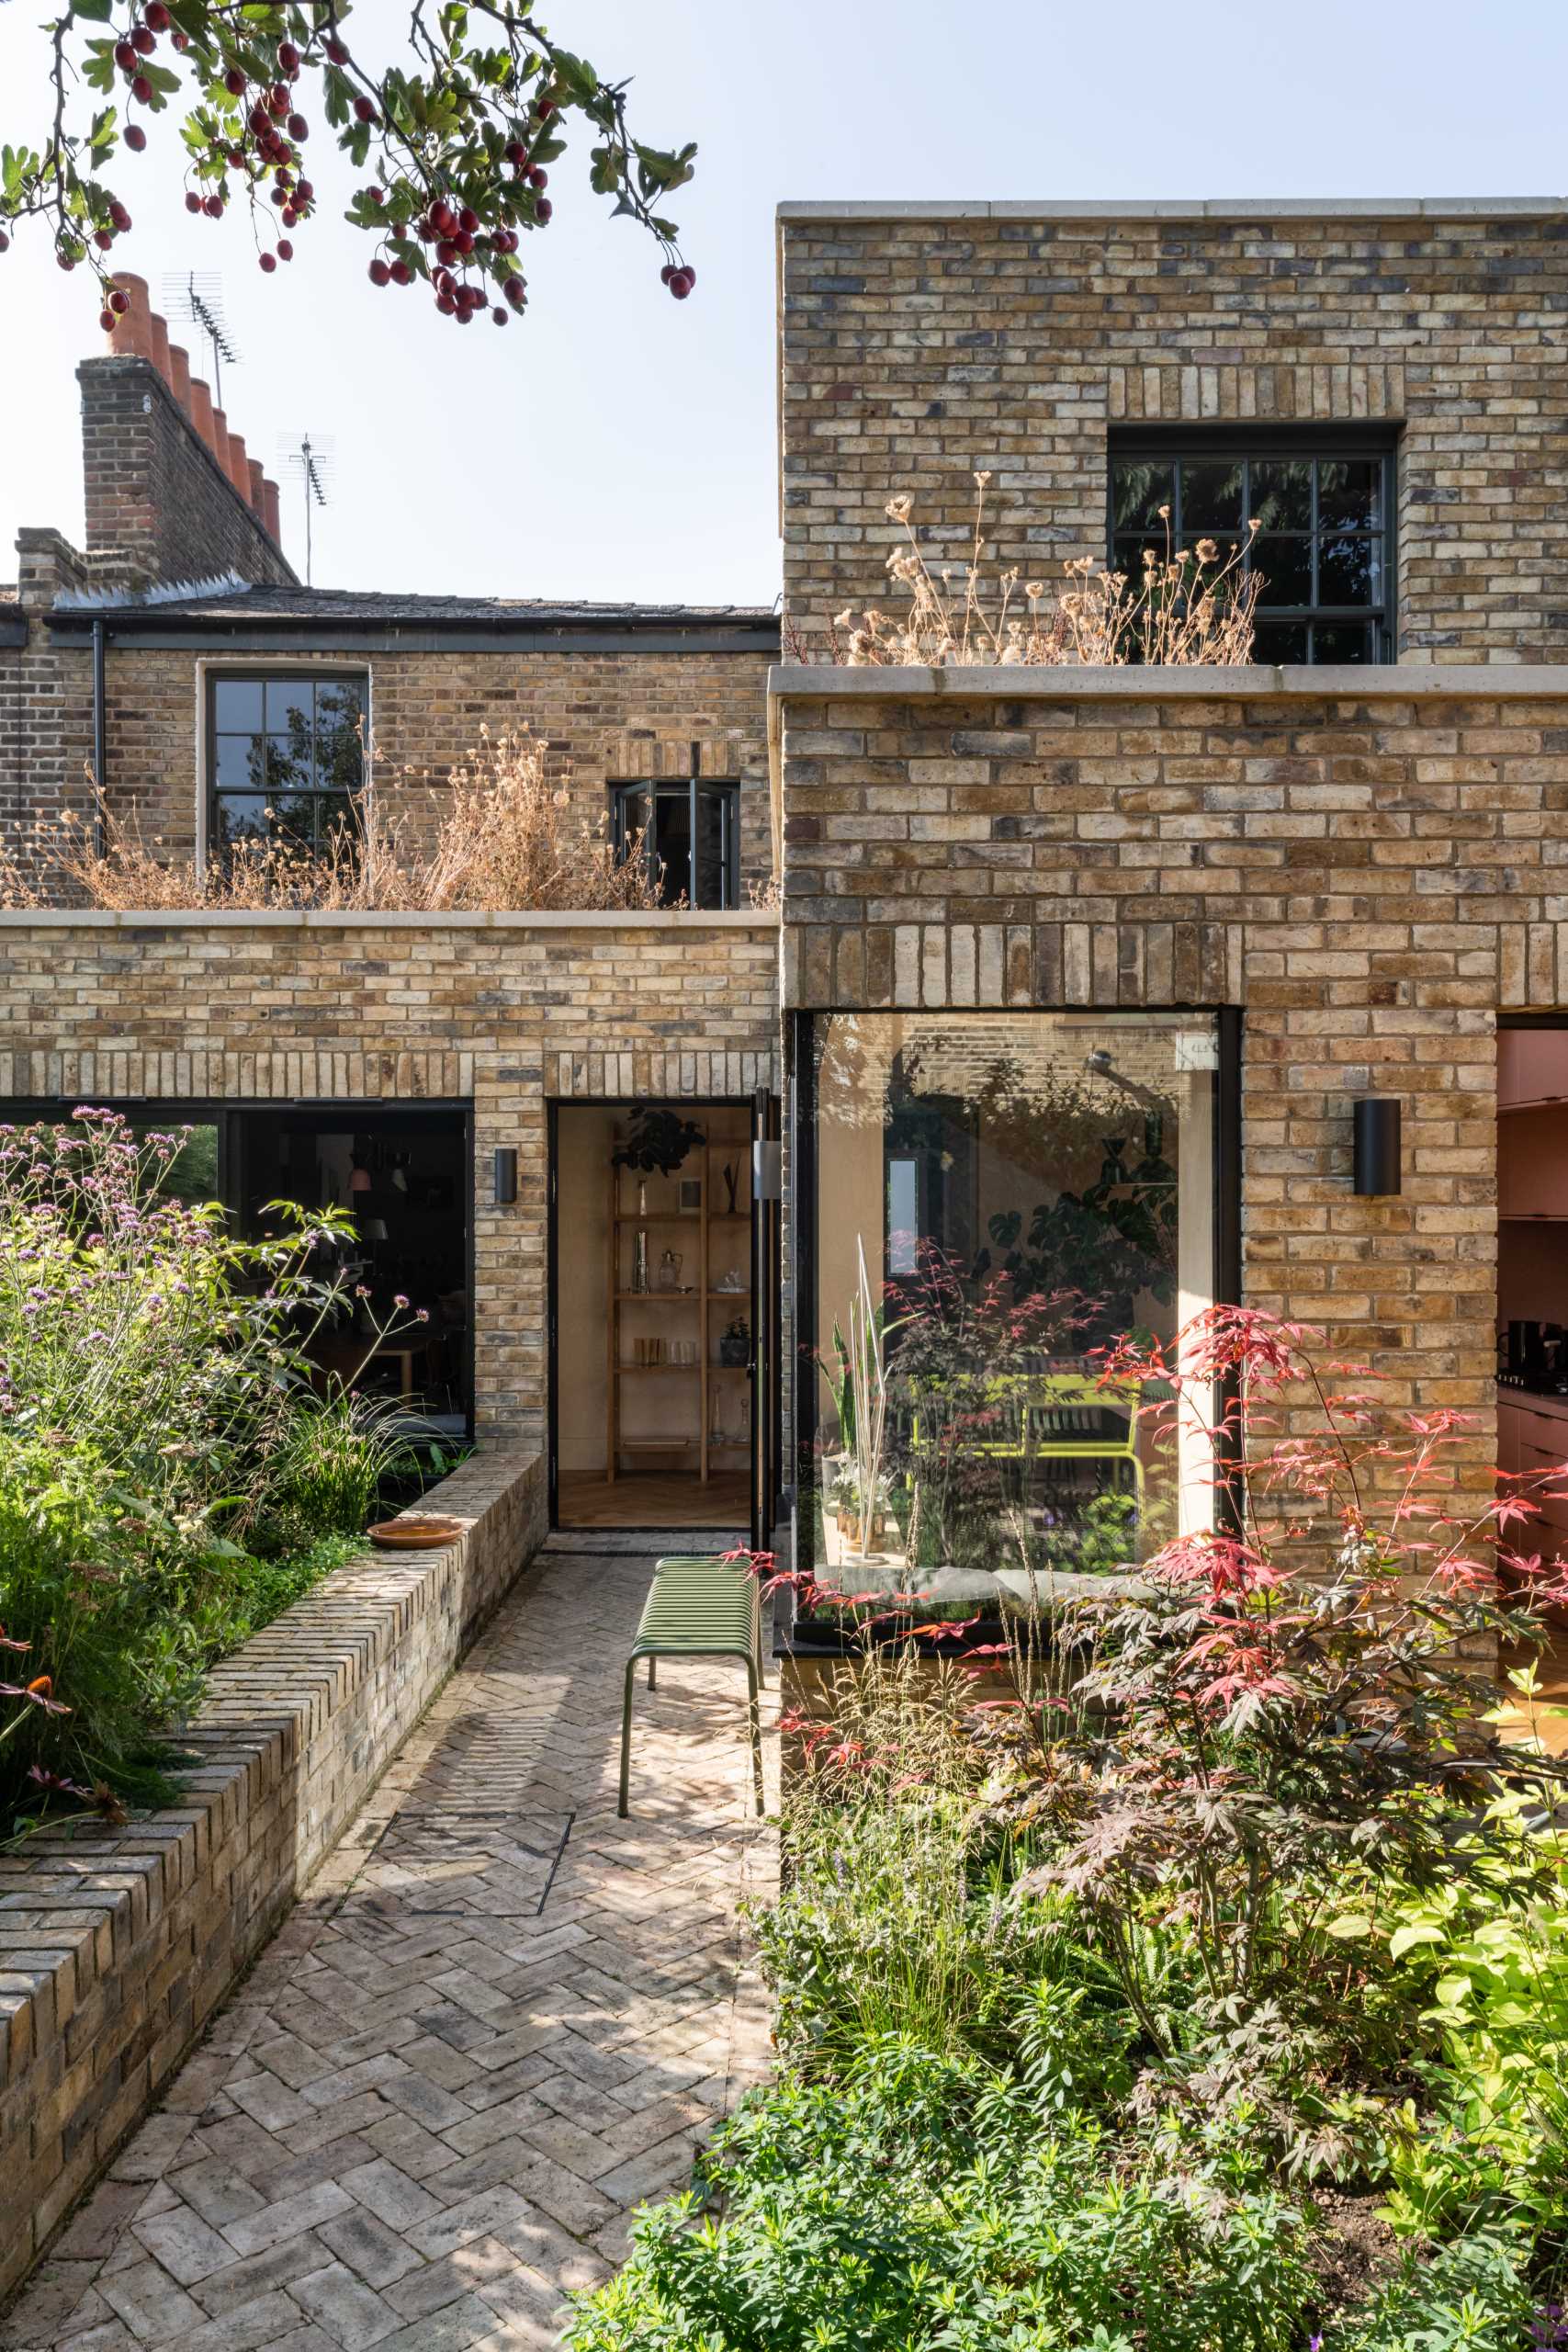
[{"x": 1113, "y": 1243}]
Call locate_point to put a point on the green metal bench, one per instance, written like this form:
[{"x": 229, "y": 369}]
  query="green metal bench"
[{"x": 699, "y": 1608}]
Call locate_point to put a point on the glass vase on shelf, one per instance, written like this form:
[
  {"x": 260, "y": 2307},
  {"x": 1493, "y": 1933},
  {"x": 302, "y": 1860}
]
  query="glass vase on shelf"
[{"x": 639, "y": 1261}]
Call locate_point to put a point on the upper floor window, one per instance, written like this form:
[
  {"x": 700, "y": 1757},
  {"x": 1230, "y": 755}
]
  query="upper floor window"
[
  {"x": 287, "y": 757},
  {"x": 1324, "y": 543},
  {"x": 689, "y": 833}
]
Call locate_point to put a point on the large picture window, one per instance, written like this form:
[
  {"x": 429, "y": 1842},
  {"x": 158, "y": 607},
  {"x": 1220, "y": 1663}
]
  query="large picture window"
[
  {"x": 999, "y": 1199},
  {"x": 1323, "y": 542},
  {"x": 688, "y": 832},
  {"x": 287, "y": 757}
]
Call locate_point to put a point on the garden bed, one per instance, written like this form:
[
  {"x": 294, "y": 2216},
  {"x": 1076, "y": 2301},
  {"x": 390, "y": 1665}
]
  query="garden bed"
[{"x": 117, "y": 1945}]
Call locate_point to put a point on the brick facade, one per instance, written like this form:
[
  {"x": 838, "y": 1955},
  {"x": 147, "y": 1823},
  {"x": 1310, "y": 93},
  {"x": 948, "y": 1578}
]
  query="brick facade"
[
  {"x": 499, "y": 1012},
  {"x": 918, "y": 345},
  {"x": 603, "y": 718},
  {"x": 1372, "y": 872}
]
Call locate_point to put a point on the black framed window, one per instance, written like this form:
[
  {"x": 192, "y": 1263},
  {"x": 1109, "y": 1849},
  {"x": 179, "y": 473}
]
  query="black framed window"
[
  {"x": 1323, "y": 505},
  {"x": 689, "y": 833},
  {"x": 286, "y": 757}
]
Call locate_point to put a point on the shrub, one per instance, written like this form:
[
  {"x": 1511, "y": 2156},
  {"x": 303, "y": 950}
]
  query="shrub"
[
  {"x": 154, "y": 1406},
  {"x": 916, "y": 2202}
]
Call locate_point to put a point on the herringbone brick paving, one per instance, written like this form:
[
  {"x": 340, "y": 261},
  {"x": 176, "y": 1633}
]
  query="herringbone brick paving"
[{"x": 500, "y": 2020}]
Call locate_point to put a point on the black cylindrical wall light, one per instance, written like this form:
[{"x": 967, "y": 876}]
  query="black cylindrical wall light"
[
  {"x": 505, "y": 1176},
  {"x": 1375, "y": 1156}
]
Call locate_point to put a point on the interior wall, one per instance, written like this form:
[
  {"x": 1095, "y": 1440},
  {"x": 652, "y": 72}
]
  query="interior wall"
[{"x": 582, "y": 1210}]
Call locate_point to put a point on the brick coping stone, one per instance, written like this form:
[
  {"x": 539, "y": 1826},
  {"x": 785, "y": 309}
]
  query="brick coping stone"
[
  {"x": 681, "y": 919},
  {"x": 117, "y": 1947},
  {"x": 1041, "y": 682}
]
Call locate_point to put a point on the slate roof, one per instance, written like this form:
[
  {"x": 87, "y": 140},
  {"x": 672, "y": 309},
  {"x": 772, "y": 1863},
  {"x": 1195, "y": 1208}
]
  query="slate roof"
[{"x": 331, "y": 609}]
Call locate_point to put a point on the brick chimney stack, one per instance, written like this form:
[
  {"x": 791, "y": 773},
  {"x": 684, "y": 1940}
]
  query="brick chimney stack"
[{"x": 170, "y": 492}]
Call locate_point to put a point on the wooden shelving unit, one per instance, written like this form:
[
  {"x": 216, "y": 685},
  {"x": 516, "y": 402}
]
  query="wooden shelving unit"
[{"x": 699, "y": 1311}]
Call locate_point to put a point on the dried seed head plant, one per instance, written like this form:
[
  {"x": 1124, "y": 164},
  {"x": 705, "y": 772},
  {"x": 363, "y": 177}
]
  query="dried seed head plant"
[
  {"x": 507, "y": 840},
  {"x": 1191, "y": 606}
]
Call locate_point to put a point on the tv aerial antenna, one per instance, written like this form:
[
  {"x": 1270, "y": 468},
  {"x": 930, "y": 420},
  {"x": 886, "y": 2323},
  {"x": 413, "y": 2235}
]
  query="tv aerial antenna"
[
  {"x": 198, "y": 296},
  {"x": 312, "y": 464}
]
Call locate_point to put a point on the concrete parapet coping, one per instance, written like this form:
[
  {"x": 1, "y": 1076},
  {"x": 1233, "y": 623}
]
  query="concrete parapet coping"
[
  {"x": 1020, "y": 681},
  {"x": 678, "y": 919},
  {"x": 1208, "y": 207}
]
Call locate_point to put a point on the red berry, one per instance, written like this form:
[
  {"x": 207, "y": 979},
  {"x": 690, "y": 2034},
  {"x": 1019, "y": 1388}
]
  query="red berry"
[
  {"x": 234, "y": 82},
  {"x": 125, "y": 57},
  {"x": 143, "y": 40},
  {"x": 288, "y": 57},
  {"x": 157, "y": 15},
  {"x": 545, "y": 109},
  {"x": 285, "y": 250},
  {"x": 463, "y": 241},
  {"x": 667, "y": 273},
  {"x": 258, "y": 120},
  {"x": 538, "y": 177},
  {"x": 376, "y": 196},
  {"x": 543, "y": 210},
  {"x": 444, "y": 303},
  {"x": 304, "y": 192},
  {"x": 277, "y": 98},
  {"x": 237, "y": 158},
  {"x": 443, "y": 218},
  {"x": 120, "y": 217},
  {"x": 106, "y": 320},
  {"x": 689, "y": 274},
  {"x": 680, "y": 286},
  {"x": 5, "y": 243},
  {"x": 135, "y": 138},
  {"x": 401, "y": 274},
  {"x": 469, "y": 218},
  {"x": 297, "y": 128},
  {"x": 379, "y": 273},
  {"x": 465, "y": 314},
  {"x": 213, "y": 207},
  {"x": 102, "y": 239},
  {"x": 268, "y": 262},
  {"x": 516, "y": 292},
  {"x": 446, "y": 251},
  {"x": 499, "y": 315},
  {"x": 65, "y": 261},
  {"x": 289, "y": 216},
  {"x": 193, "y": 201},
  {"x": 365, "y": 109},
  {"x": 181, "y": 41},
  {"x": 516, "y": 152},
  {"x": 337, "y": 52}
]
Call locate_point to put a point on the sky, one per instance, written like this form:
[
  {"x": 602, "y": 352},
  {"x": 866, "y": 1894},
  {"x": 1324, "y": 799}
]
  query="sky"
[{"x": 618, "y": 443}]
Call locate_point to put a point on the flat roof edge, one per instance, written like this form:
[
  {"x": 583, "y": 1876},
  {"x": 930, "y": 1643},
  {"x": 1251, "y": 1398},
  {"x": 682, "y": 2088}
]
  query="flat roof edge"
[
  {"x": 1246, "y": 208},
  {"x": 1040, "y": 682}
]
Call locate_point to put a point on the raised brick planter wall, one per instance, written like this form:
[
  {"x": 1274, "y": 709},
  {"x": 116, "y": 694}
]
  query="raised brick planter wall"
[{"x": 116, "y": 1948}]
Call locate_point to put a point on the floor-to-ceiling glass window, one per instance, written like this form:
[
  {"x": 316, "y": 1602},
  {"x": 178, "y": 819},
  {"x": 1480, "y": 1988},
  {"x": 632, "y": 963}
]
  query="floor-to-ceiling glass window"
[{"x": 999, "y": 1199}]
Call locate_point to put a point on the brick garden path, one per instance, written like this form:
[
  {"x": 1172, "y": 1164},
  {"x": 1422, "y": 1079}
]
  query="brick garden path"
[{"x": 474, "y": 2048}]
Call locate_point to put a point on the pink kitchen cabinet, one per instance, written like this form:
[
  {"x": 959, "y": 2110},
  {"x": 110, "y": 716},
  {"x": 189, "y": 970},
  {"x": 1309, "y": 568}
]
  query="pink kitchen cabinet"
[{"x": 1532, "y": 1067}]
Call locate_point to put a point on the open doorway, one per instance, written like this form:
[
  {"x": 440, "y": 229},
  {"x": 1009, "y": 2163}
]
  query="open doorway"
[{"x": 653, "y": 1314}]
